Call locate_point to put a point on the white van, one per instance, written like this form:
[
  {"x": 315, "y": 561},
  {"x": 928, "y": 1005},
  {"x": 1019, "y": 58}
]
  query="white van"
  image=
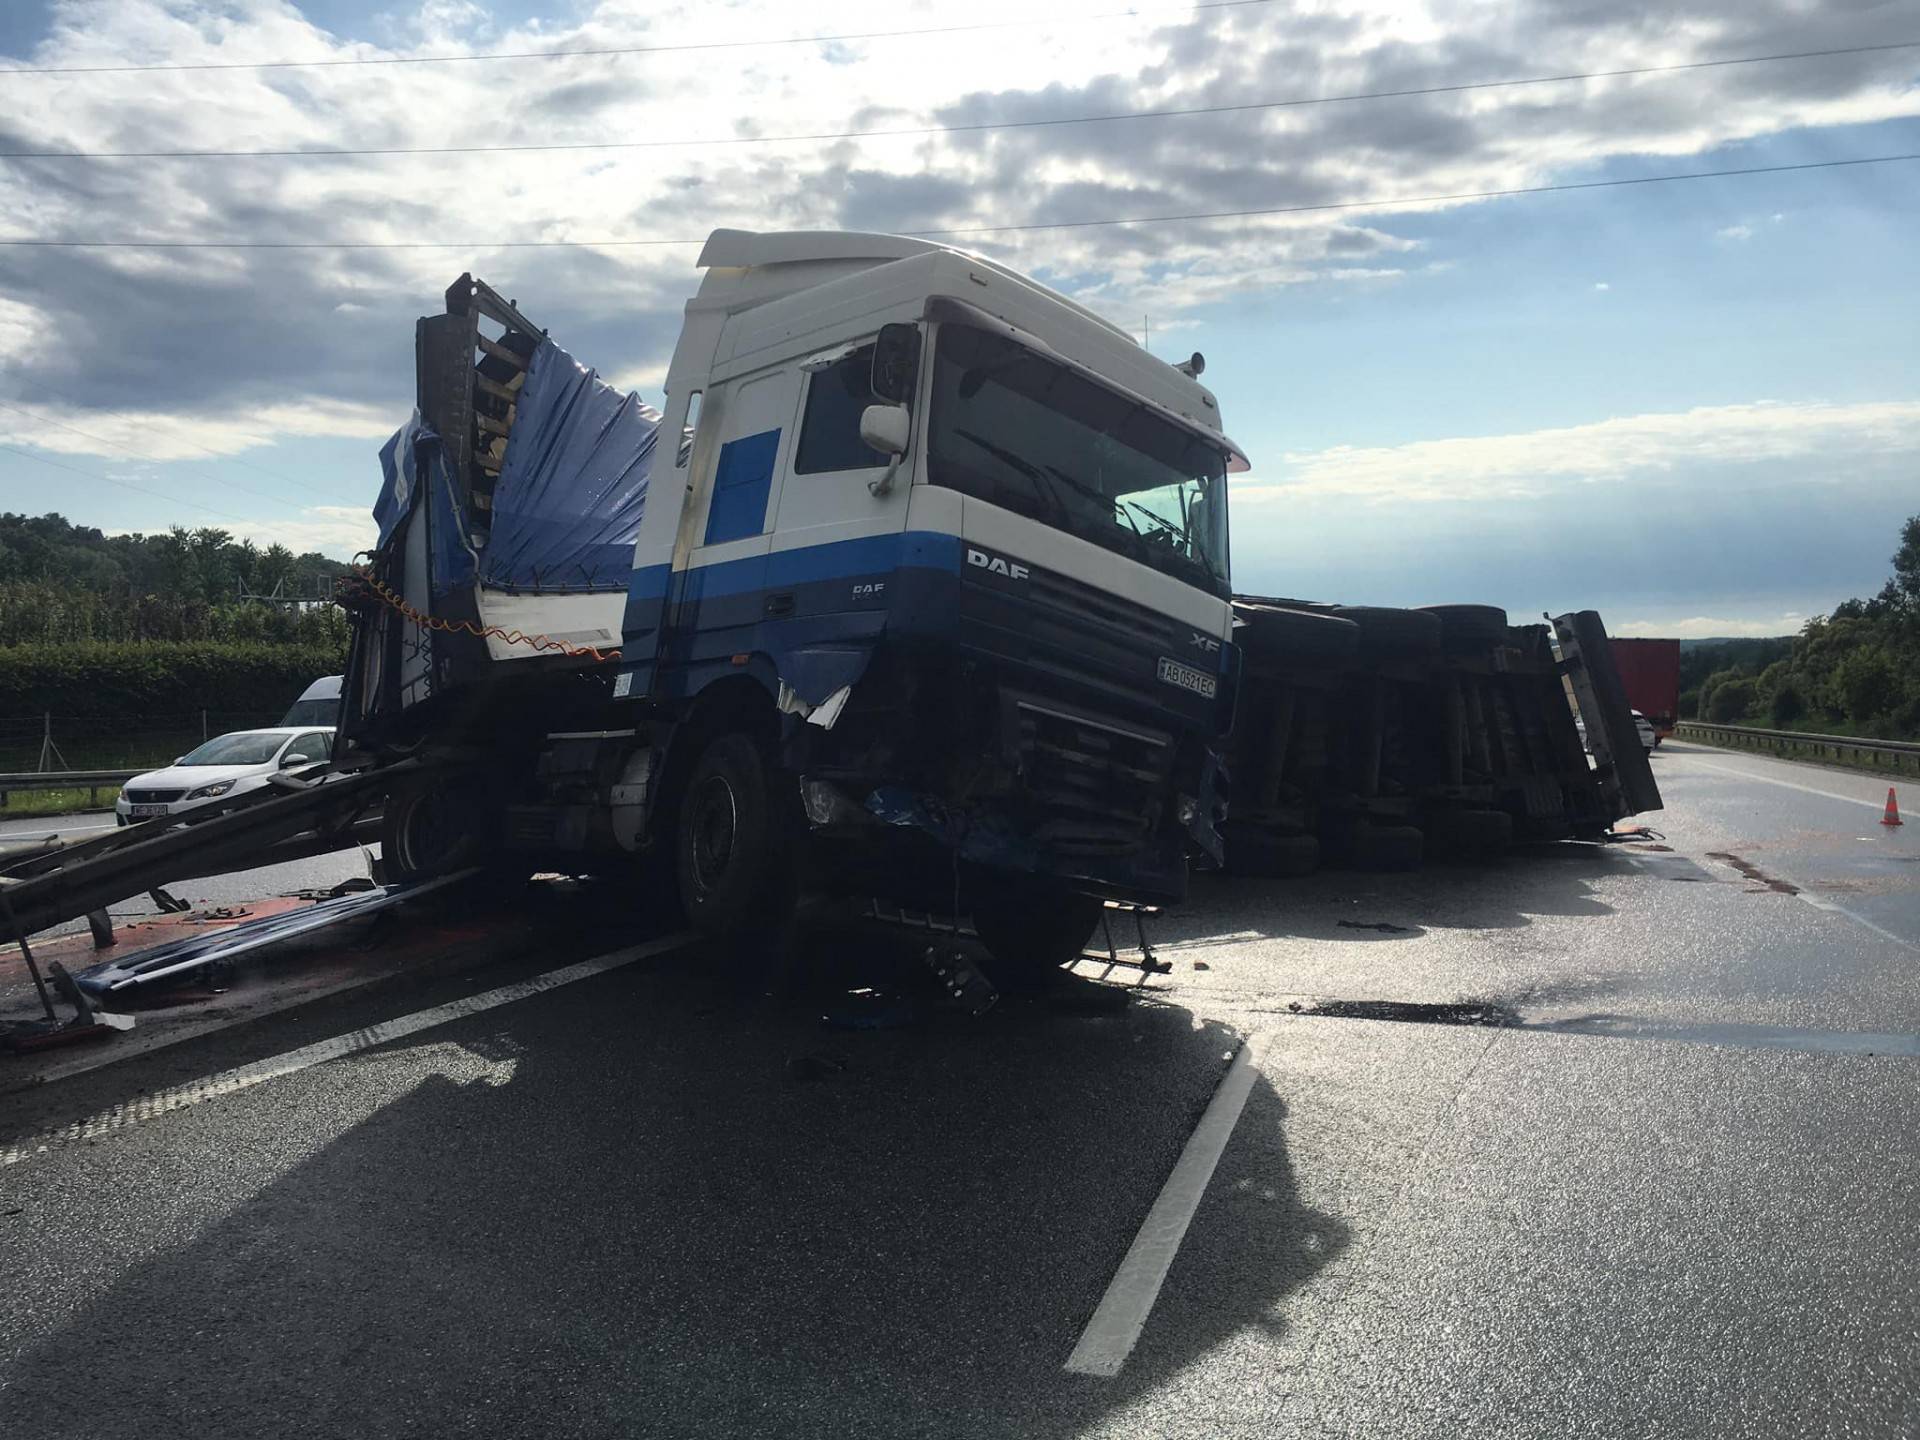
[{"x": 319, "y": 704}]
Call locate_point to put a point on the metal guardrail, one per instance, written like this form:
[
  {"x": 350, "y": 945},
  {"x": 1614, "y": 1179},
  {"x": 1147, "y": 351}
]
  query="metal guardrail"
[
  {"x": 1895, "y": 757},
  {"x": 88, "y": 780}
]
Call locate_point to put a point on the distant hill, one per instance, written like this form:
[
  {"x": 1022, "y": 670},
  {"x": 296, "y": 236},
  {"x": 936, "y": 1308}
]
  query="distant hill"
[{"x": 1686, "y": 645}]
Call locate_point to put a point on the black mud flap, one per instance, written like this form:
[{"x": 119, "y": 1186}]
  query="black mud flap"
[{"x": 1620, "y": 761}]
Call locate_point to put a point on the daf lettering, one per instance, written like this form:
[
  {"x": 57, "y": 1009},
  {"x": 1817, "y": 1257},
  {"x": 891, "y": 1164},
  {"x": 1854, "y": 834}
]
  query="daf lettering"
[
  {"x": 869, "y": 591},
  {"x": 995, "y": 565}
]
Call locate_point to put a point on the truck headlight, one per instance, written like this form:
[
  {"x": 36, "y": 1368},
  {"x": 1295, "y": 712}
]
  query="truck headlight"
[{"x": 209, "y": 792}]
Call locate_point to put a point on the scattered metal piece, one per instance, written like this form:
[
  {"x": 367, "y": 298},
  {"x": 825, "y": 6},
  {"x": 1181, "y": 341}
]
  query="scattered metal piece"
[
  {"x": 197, "y": 952},
  {"x": 1380, "y": 925},
  {"x": 168, "y": 904},
  {"x": 100, "y": 923},
  {"x": 960, "y": 979}
]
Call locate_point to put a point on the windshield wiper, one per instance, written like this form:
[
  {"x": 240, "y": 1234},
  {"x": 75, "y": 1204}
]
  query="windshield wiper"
[{"x": 1019, "y": 466}]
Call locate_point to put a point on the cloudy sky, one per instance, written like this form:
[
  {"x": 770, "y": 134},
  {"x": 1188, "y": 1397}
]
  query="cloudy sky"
[{"x": 1693, "y": 405}]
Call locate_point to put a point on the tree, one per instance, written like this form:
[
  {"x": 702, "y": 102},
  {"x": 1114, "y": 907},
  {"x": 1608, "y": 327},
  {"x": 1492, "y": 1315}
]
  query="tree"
[
  {"x": 1867, "y": 683},
  {"x": 1730, "y": 700}
]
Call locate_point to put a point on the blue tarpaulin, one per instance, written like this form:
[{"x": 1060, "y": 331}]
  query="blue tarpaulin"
[
  {"x": 414, "y": 455},
  {"x": 567, "y": 508}
]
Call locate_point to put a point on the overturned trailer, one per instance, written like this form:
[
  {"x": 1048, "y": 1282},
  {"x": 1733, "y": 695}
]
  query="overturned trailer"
[
  {"x": 918, "y": 590},
  {"x": 1379, "y": 737}
]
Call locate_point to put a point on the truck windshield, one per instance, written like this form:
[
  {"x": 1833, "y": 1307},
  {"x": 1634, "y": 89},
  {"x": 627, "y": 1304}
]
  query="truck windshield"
[{"x": 1016, "y": 429}]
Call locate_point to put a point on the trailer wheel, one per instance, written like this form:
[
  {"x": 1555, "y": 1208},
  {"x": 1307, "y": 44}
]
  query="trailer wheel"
[
  {"x": 431, "y": 828},
  {"x": 1466, "y": 834},
  {"x": 1363, "y": 845},
  {"x": 1386, "y": 631},
  {"x": 1030, "y": 932},
  {"x": 735, "y": 841},
  {"x": 1252, "y": 851},
  {"x": 1464, "y": 625}
]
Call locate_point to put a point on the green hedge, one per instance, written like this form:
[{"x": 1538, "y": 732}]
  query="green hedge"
[{"x": 128, "y": 680}]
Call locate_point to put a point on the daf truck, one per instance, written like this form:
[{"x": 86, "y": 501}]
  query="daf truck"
[{"x": 918, "y": 589}]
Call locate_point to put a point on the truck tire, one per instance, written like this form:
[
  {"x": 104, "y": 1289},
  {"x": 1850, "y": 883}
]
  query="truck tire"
[
  {"x": 1030, "y": 933},
  {"x": 433, "y": 827},
  {"x": 1466, "y": 834},
  {"x": 1363, "y": 845},
  {"x": 1270, "y": 856},
  {"x": 1274, "y": 632},
  {"x": 735, "y": 839},
  {"x": 1386, "y": 631},
  {"x": 1470, "y": 625}
]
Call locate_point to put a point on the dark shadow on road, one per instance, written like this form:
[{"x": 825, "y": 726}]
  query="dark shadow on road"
[{"x": 648, "y": 1221}]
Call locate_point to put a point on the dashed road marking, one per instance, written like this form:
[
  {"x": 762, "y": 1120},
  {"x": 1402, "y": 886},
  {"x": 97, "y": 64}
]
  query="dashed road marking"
[
  {"x": 1122, "y": 1313},
  {"x": 227, "y": 1082}
]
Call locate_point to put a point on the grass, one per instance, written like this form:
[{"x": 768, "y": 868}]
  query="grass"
[{"x": 28, "y": 804}]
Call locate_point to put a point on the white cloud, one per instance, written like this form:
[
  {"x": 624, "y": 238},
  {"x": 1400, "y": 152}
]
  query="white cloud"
[
  {"x": 229, "y": 350},
  {"x": 1734, "y": 233},
  {"x": 161, "y": 436},
  {"x": 336, "y": 530},
  {"x": 1602, "y": 286},
  {"x": 1709, "y": 627},
  {"x": 1538, "y": 462}
]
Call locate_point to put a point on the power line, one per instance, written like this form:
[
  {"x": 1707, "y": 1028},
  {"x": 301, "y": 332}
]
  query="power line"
[
  {"x": 1388, "y": 203},
  {"x": 344, "y": 61},
  {"x": 959, "y": 129},
  {"x": 124, "y": 485}
]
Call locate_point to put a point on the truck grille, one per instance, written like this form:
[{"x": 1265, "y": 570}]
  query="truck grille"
[
  {"x": 1071, "y": 631},
  {"x": 1098, "y": 786},
  {"x": 152, "y": 797}
]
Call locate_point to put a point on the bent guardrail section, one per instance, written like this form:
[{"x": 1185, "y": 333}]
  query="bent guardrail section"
[{"x": 1891, "y": 757}]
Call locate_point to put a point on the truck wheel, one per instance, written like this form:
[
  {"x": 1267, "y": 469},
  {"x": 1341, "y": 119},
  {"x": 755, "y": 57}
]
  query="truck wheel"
[
  {"x": 1464, "y": 625},
  {"x": 432, "y": 828},
  {"x": 1466, "y": 834},
  {"x": 1363, "y": 845},
  {"x": 1029, "y": 933},
  {"x": 734, "y": 841},
  {"x": 1386, "y": 631},
  {"x": 1252, "y": 851},
  {"x": 1273, "y": 632}
]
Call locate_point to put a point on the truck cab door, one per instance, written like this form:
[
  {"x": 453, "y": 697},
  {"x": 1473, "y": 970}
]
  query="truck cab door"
[
  {"x": 716, "y": 597},
  {"x": 836, "y": 540}
]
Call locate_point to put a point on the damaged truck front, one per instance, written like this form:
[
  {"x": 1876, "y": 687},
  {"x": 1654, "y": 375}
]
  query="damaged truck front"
[{"x": 918, "y": 590}]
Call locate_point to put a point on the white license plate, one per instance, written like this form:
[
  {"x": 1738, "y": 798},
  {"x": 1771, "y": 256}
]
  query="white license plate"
[
  {"x": 1188, "y": 678},
  {"x": 146, "y": 812}
]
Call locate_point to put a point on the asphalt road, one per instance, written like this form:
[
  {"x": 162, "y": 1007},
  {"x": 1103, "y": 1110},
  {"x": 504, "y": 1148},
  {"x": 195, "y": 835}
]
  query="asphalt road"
[{"x": 1675, "y": 1195}]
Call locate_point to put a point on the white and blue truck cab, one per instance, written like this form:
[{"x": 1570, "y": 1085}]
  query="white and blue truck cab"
[{"x": 918, "y": 589}]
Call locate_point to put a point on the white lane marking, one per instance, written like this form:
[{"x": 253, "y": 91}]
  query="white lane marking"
[
  {"x": 1117, "y": 1321},
  {"x": 1821, "y": 902},
  {"x": 1785, "y": 784},
  {"x": 226, "y": 1082}
]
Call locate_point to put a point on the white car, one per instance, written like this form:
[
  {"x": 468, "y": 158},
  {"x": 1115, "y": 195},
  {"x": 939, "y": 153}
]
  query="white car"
[
  {"x": 229, "y": 764},
  {"x": 1642, "y": 726},
  {"x": 1645, "y": 727}
]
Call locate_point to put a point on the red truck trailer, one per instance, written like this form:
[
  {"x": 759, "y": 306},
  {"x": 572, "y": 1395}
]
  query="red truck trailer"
[{"x": 1650, "y": 673}]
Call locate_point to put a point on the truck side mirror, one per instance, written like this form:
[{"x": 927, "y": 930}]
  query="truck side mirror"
[
  {"x": 885, "y": 428},
  {"x": 896, "y": 363}
]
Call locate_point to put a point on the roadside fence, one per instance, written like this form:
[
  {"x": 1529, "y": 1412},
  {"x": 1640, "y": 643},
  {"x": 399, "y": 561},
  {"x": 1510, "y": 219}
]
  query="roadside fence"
[{"x": 1888, "y": 757}]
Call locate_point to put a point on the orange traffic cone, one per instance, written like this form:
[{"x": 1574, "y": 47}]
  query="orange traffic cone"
[{"x": 1892, "y": 817}]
